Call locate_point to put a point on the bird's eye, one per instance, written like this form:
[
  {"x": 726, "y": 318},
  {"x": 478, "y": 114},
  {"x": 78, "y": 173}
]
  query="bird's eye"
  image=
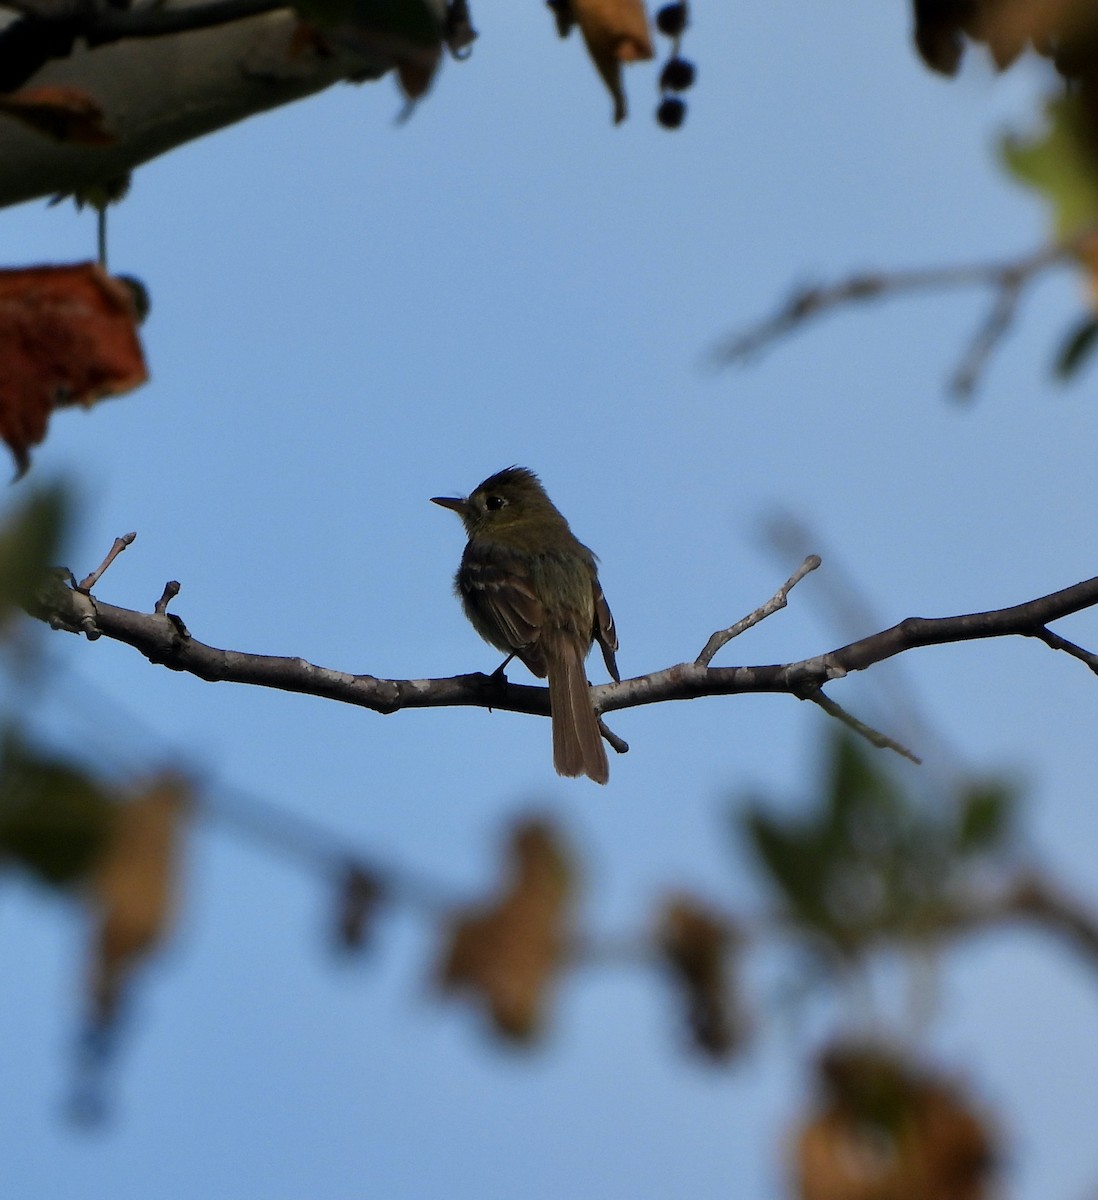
[{"x": 492, "y": 503}]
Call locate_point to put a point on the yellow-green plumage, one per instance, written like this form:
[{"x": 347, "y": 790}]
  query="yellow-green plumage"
[{"x": 530, "y": 588}]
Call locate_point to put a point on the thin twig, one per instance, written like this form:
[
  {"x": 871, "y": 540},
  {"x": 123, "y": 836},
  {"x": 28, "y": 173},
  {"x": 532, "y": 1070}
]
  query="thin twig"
[
  {"x": 620, "y": 745},
  {"x": 1007, "y": 280},
  {"x": 171, "y": 590},
  {"x": 850, "y": 613},
  {"x": 874, "y": 736},
  {"x": 776, "y": 602},
  {"x": 303, "y": 839},
  {"x": 1056, "y": 642},
  {"x": 1030, "y": 896},
  {"x": 988, "y": 336},
  {"x": 101, "y": 234},
  {"x": 1039, "y": 900},
  {"x": 120, "y": 544}
]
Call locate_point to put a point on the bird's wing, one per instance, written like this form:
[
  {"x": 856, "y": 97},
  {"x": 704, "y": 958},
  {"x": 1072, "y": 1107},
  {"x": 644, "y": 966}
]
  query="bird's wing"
[
  {"x": 502, "y": 598},
  {"x": 606, "y": 632}
]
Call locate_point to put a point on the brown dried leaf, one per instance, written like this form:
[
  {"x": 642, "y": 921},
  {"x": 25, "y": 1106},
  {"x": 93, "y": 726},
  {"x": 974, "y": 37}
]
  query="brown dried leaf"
[
  {"x": 1088, "y": 258},
  {"x": 132, "y": 892},
  {"x": 416, "y": 74},
  {"x": 67, "y": 336},
  {"x": 60, "y": 111},
  {"x": 696, "y": 944},
  {"x": 890, "y": 1130},
  {"x": 1006, "y": 27},
  {"x": 616, "y": 32},
  {"x": 509, "y": 952}
]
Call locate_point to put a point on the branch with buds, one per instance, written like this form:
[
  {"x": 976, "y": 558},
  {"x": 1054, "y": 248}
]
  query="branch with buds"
[{"x": 164, "y": 639}]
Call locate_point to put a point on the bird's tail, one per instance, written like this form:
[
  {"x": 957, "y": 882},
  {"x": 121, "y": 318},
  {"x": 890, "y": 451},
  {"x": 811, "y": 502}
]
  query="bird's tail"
[{"x": 577, "y": 742}]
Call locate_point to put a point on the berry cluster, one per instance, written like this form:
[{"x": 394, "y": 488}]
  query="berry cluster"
[{"x": 678, "y": 72}]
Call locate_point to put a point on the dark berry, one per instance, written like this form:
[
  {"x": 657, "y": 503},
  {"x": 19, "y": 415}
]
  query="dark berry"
[
  {"x": 671, "y": 112},
  {"x": 671, "y": 19},
  {"x": 677, "y": 75}
]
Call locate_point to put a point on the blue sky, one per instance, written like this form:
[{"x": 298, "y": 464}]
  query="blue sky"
[{"x": 350, "y": 316}]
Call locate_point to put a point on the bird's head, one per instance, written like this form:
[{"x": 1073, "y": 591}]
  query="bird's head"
[{"x": 507, "y": 500}]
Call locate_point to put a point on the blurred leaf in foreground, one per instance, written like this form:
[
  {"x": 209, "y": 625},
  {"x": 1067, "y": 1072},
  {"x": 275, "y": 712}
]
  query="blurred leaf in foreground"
[
  {"x": 68, "y": 335},
  {"x": 1060, "y": 165},
  {"x": 888, "y": 1129},
  {"x": 697, "y": 945},
  {"x": 508, "y": 953},
  {"x": 132, "y": 890},
  {"x": 871, "y": 862},
  {"x": 30, "y": 540},
  {"x": 55, "y": 820}
]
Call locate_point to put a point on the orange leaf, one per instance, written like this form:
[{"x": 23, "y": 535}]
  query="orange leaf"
[
  {"x": 60, "y": 111},
  {"x": 508, "y": 953},
  {"x": 891, "y": 1130},
  {"x": 616, "y": 32},
  {"x": 67, "y": 336},
  {"x": 415, "y": 75},
  {"x": 133, "y": 889},
  {"x": 1088, "y": 256},
  {"x": 1006, "y": 27}
]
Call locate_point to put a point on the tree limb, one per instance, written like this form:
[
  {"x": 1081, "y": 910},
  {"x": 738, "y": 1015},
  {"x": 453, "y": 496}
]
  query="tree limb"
[
  {"x": 1035, "y": 899},
  {"x": 164, "y": 639},
  {"x": 157, "y": 92}
]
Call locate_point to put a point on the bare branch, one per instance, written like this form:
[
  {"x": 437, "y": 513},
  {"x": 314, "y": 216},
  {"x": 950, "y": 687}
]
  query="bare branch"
[
  {"x": 120, "y": 544},
  {"x": 171, "y": 590},
  {"x": 1056, "y": 642},
  {"x": 1039, "y": 901},
  {"x": 988, "y": 336},
  {"x": 874, "y": 736},
  {"x": 617, "y": 744},
  {"x": 777, "y": 601},
  {"x": 1033, "y": 898},
  {"x": 1007, "y": 281},
  {"x": 164, "y": 639}
]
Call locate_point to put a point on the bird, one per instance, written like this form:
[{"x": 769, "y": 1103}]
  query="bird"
[{"x": 531, "y": 589}]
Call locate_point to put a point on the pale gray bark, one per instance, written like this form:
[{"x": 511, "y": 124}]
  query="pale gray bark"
[{"x": 160, "y": 92}]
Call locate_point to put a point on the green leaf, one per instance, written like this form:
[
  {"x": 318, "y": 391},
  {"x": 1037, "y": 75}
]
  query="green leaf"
[
  {"x": 29, "y": 542},
  {"x": 1076, "y": 347},
  {"x": 1059, "y": 164},
  {"x": 54, "y": 819},
  {"x": 798, "y": 863},
  {"x": 987, "y": 812}
]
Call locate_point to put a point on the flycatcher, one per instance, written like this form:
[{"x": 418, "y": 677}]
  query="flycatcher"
[{"x": 531, "y": 589}]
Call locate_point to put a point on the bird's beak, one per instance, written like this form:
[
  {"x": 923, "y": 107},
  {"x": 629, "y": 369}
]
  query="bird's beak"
[{"x": 457, "y": 503}]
